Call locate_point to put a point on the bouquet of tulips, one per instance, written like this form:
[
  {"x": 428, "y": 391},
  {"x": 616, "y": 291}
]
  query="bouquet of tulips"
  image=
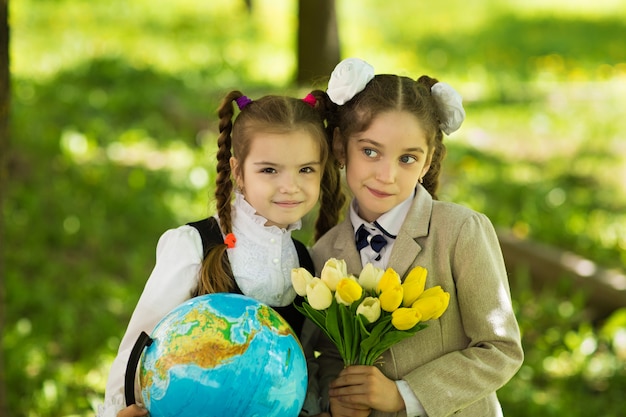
[{"x": 365, "y": 315}]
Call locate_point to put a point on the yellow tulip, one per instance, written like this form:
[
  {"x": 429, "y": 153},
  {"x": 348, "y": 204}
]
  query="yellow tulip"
[
  {"x": 433, "y": 303},
  {"x": 413, "y": 285},
  {"x": 433, "y": 291},
  {"x": 444, "y": 305},
  {"x": 333, "y": 271},
  {"x": 389, "y": 279},
  {"x": 300, "y": 278},
  {"x": 370, "y": 308},
  {"x": 369, "y": 277},
  {"x": 318, "y": 294},
  {"x": 391, "y": 298},
  {"x": 405, "y": 318},
  {"x": 348, "y": 291}
]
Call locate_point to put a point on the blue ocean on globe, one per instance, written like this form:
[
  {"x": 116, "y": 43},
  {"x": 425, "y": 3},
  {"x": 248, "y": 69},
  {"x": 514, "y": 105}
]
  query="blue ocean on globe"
[{"x": 223, "y": 355}]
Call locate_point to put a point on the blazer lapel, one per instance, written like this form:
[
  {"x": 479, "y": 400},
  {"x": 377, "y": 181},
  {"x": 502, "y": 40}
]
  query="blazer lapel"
[
  {"x": 345, "y": 247},
  {"x": 416, "y": 224}
]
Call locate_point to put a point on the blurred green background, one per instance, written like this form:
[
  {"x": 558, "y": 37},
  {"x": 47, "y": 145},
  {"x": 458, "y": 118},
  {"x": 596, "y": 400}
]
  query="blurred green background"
[{"x": 113, "y": 128}]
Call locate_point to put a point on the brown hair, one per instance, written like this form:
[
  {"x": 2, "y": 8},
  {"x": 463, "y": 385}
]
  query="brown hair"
[
  {"x": 387, "y": 92},
  {"x": 276, "y": 114}
]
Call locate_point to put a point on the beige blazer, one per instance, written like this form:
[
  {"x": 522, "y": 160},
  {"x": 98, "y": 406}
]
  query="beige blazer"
[{"x": 456, "y": 364}]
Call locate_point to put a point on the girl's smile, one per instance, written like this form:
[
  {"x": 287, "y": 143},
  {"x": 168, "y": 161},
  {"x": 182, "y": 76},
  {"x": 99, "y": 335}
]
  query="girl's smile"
[
  {"x": 288, "y": 204},
  {"x": 379, "y": 194}
]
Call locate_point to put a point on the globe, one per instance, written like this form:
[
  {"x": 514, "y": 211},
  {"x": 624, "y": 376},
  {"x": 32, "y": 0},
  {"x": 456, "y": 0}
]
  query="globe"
[{"x": 223, "y": 355}]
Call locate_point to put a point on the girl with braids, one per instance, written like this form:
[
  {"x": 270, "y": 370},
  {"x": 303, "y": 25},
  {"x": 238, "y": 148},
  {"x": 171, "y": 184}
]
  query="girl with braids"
[
  {"x": 388, "y": 131},
  {"x": 272, "y": 159}
]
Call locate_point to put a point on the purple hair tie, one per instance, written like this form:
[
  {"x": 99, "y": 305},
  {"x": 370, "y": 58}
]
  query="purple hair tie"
[
  {"x": 242, "y": 102},
  {"x": 310, "y": 100}
]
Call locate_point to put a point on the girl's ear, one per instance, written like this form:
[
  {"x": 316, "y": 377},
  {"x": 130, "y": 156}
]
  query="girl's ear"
[
  {"x": 236, "y": 170},
  {"x": 339, "y": 149},
  {"x": 427, "y": 164}
]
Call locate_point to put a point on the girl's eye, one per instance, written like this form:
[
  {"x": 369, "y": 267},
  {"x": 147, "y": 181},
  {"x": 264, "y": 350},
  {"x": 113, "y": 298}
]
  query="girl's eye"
[
  {"x": 408, "y": 159},
  {"x": 268, "y": 170},
  {"x": 307, "y": 170},
  {"x": 370, "y": 152}
]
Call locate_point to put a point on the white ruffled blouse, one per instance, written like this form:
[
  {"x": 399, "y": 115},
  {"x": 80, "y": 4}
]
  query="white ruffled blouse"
[{"x": 174, "y": 280}]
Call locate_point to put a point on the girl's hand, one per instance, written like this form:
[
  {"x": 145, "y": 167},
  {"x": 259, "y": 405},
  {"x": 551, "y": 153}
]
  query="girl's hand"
[
  {"x": 132, "y": 411},
  {"x": 339, "y": 409},
  {"x": 362, "y": 386}
]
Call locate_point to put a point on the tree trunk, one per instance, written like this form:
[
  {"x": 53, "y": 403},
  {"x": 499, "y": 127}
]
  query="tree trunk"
[
  {"x": 4, "y": 150},
  {"x": 546, "y": 265},
  {"x": 318, "y": 40}
]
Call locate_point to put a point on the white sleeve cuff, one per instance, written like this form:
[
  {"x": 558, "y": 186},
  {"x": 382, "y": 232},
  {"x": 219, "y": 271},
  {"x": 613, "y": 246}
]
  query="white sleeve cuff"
[{"x": 413, "y": 406}]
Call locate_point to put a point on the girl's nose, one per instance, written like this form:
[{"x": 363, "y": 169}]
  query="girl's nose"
[
  {"x": 289, "y": 184},
  {"x": 386, "y": 172}
]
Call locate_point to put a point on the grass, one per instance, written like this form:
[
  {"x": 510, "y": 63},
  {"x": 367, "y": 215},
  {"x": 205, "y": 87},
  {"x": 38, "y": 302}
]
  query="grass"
[{"x": 113, "y": 130}]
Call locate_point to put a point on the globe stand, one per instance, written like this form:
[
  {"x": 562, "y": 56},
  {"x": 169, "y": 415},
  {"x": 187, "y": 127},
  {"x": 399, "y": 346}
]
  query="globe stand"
[{"x": 142, "y": 342}]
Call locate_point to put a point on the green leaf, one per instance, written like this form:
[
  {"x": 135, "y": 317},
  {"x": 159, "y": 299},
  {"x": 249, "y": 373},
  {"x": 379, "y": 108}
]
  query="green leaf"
[
  {"x": 374, "y": 337},
  {"x": 316, "y": 316},
  {"x": 362, "y": 326},
  {"x": 364, "y": 334},
  {"x": 369, "y": 345},
  {"x": 333, "y": 327},
  {"x": 350, "y": 334},
  {"x": 391, "y": 338}
]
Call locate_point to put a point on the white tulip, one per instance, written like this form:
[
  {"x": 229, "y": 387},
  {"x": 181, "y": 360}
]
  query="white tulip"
[
  {"x": 370, "y": 308},
  {"x": 369, "y": 277},
  {"x": 300, "y": 278},
  {"x": 318, "y": 294},
  {"x": 334, "y": 271}
]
